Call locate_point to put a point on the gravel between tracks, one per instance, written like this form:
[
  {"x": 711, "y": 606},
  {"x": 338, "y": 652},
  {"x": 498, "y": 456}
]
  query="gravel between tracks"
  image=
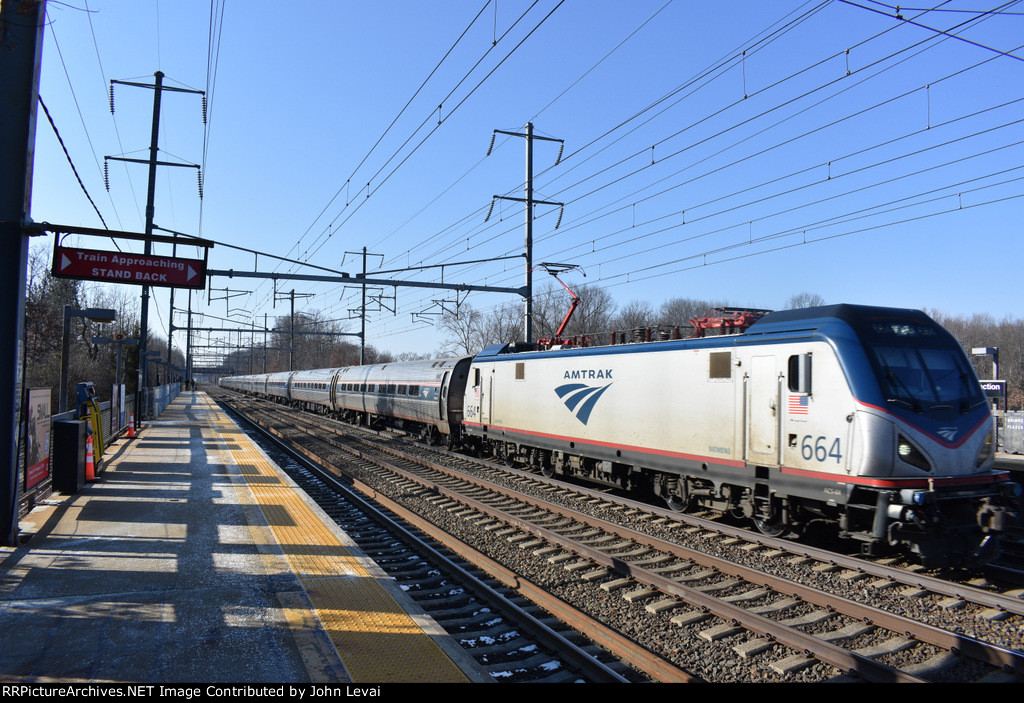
[{"x": 717, "y": 661}]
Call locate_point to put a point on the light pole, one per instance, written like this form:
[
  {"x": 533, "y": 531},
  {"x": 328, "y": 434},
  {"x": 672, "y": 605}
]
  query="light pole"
[
  {"x": 989, "y": 351},
  {"x": 100, "y": 315}
]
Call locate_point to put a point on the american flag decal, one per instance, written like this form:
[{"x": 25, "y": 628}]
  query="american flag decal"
[{"x": 798, "y": 404}]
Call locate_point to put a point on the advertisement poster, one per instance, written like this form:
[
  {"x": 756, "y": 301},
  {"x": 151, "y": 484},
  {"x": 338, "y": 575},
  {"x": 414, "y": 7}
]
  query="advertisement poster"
[{"x": 37, "y": 437}]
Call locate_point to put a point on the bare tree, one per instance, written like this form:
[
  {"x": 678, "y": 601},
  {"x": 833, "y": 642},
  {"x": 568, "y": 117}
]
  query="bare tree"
[
  {"x": 462, "y": 329},
  {"x": 982, "y": 330},
  {"x": 1010, "y": 340},
  {"x": 636, "y": 313},
  {"x": 592, "y": 316},
  {"x": 679, "y": 311},
  {"x": 468, "y": 330},
  {"x": 804, "y": 300}
]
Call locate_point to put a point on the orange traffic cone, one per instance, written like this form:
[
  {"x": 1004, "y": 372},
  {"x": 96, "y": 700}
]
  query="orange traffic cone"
[
  {"x": 90, "y": 466},
  {"x": 131, "y": 426}
]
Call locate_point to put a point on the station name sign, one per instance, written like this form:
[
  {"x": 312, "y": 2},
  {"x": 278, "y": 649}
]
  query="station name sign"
[
  {"x": 119, "y": 267},
  {"x": 994, "y": 389}
]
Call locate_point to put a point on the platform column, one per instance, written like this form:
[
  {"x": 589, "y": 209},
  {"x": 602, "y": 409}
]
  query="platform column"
[{"x": 21, "y": 46}]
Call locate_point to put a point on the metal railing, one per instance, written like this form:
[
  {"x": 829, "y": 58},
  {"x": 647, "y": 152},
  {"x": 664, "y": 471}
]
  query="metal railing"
[{"x": 155, "y": 400}]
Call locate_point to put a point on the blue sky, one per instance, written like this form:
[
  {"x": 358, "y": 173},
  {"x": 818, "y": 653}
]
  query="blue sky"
[{"x": 738, "y": 150}]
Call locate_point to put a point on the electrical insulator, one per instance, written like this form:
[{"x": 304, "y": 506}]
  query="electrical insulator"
[
  {"x": 106, "y": 175},
  {"x": 199, "y": 178},
  {"x": 111, "y": 98},
  {"x": 204, "y": 109},
  {"x": 561, "y": 148},
  {"x": 561, "y": 211},
  {"x": 491, "y": 147},
  {"x": 489, "y": 211}
]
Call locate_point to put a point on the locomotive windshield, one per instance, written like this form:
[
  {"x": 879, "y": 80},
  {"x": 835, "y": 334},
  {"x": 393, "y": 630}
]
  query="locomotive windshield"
[{"x": 922, "y": 369}]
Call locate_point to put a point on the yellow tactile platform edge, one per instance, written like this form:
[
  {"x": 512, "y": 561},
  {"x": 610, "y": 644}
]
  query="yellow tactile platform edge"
[{"x": 376, "y": 639}]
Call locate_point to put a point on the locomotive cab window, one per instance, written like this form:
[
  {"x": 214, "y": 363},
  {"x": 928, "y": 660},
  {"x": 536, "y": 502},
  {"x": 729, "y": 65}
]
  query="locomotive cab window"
[{"x": 799, "y": 373}]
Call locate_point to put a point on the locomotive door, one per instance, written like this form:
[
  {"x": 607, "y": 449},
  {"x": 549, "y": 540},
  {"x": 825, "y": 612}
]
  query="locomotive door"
[
  {"x": 763, "y": 412},
  {"x": 485, "y": 399}
]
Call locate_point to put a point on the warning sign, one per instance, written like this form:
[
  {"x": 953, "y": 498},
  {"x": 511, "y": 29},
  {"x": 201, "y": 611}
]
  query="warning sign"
[{"x": 119, "y": 267}]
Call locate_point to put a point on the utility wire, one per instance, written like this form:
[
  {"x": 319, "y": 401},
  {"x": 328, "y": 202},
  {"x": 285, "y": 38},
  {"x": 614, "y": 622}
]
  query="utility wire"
[
  {"x": 395, "y": 120},
  {"x": 71, "y": 162}
]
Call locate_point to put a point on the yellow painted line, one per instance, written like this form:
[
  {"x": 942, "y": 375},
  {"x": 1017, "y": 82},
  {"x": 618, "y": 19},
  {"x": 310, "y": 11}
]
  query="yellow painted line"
[{"x": 376, "y": 639}]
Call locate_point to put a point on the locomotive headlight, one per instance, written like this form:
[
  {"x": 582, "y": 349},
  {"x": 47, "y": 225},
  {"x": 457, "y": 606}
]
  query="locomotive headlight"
[
  {"x": 912, "y": 497},
  {"x": 912, "y": 455},
  {"x": 986, "y": 450}
]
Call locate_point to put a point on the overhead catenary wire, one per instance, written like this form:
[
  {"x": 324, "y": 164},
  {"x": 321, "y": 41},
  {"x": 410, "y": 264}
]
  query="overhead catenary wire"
[
  {"x": 71, "y": 162},
  {"x": 381, "y": 181},
  {"x": 448, "y": 115},
  {"x": 690, "y": 180},
  {"x": 328, "y": 233},
  {"x": 394, "y": 121},
  {"x": 649, "y": 191},
  {"x": 822, "y": 3},
  {"x": 896, "y": 15},
  {"x": 777, "y": 32}
]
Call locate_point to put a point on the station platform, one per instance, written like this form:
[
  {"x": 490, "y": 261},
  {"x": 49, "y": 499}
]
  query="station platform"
[
  {"x": 1011, "y": 462},
  {"x": 194, "y": 559}
]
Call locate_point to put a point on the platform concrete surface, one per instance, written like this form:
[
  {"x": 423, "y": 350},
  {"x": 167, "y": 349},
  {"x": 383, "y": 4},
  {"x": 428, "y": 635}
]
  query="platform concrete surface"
[{"x": 165, "y": 569}]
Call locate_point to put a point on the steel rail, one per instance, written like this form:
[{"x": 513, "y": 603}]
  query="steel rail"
[
  {"x": 990, "y": 654},
  {"x": 828, "y": 653},
  {"x": 626, "y": 650},
  {"x": 835, "y": 656},
  {"x": 998, "y": 601},
  {"x": 1008, "y": 659}
]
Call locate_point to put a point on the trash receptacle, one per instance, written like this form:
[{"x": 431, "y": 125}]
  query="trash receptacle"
[{"x": 69, "y": 456}]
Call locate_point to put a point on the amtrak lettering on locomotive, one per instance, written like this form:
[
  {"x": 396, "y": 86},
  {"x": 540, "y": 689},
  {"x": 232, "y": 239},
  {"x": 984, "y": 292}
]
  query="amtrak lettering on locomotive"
[{"x": 869, "y": 418}]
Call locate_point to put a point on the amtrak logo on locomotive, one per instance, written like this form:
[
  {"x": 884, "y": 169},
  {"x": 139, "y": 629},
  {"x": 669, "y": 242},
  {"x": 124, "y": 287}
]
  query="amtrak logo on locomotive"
[
  {"x": 588, "y": 373},
  {"x": 581, "y": 398}
]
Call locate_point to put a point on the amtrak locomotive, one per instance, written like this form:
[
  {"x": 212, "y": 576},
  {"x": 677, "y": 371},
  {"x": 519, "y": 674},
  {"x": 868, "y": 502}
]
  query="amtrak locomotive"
[{"x": 871, "y": 419}]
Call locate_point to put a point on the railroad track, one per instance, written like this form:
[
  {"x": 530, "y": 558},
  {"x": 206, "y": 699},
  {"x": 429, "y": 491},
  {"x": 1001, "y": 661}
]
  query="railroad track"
[
  {"x": 737, "y": 609},
  {"x": 510, "y": 640}
]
